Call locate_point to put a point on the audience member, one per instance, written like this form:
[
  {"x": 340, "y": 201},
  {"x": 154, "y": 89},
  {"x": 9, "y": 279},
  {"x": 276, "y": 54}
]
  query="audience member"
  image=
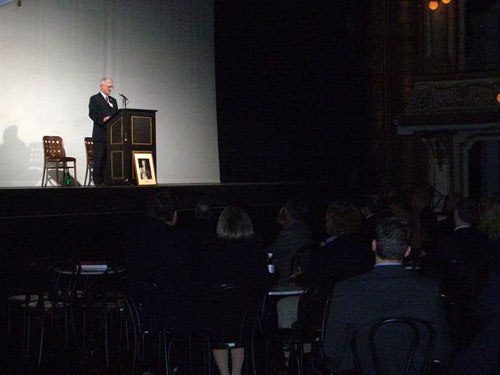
[
  {"x": 463, "y": 255},
  {"x": 399, "y": 205},
  {"x": 164, "y": 259},
  {"x": 294, "y": 235},
  {"x": 235, "y": 259},
  {"x": 204, "y": 229},
  {"x": 447, "y": 225},
  {"x": 369, "y": 206},
  {"x": 161, "y": 273},
  {"x": 343, "y": 254},
  {"x": 489, "y": 224},
  {"x": 482, "y": 355},
  {"x": 387, "y": 290},
  {"x": 424, "y": 229}
]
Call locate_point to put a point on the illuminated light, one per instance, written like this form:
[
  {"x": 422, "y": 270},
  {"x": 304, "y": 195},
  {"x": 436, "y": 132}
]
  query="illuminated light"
[
  {"x": 446, "y": 1},
  {"x": 433, "y": 5},
  {"x": 498, "y": 98}
]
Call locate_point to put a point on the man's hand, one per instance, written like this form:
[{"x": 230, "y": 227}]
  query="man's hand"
[{"x": 106, "y": 118}]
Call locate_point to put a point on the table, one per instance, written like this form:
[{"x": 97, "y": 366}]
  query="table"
[
  {"x": 286, "y": 289},
  {"x": 89, "y": 272}
]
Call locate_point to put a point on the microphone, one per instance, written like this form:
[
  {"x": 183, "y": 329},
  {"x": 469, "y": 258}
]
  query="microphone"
[{"x": 123, "y": 96}]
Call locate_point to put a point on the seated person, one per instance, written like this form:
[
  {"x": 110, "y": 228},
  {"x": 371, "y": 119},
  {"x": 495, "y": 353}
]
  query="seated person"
[
  {"x": 235, "y": 259},
  {"x": 481, "y": 356},
  {"x": 204, "y": 227},
  {"x": 387, "y": 290},
  {"x": 160, "y": 266},
  {"x": 369, "y": 206},
  {"x": 343, "y": 254},
  {"x": 294, "y": 236}
]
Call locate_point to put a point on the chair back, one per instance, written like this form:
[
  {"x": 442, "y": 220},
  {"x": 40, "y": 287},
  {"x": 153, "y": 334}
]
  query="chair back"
[
  {"x": 310, "y": 311},
  {"x": 231, "y": 311},
  {"x": 397, "y": 346},
  {"x": 53, "y": 147},
  {"x": 461, "y": 281},
  {"x": 89, "y": 148},
  {"x": 301, "y": 260}
]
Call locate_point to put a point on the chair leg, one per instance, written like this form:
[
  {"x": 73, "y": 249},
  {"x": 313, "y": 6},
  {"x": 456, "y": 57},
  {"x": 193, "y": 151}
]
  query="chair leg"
[
  {"x": 76, "y": 181},
  {"x": 44, "y": 172},
  {"x": 42, "y": 336},
  {"x": 106, "y": 347},
  {"x": 86, "y": 174}
]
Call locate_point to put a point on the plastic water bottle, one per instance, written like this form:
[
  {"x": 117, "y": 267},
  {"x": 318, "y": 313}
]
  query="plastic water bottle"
[{"x": 271, "y": 267}]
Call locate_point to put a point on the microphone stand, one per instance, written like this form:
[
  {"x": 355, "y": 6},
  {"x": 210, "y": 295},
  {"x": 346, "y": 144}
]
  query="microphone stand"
[{"x": 124, "y": 102}]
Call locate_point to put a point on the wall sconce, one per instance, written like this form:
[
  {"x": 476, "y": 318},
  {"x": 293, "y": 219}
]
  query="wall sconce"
[
  {"x": 498, "y": 98},
  {"x": 446, "y": 1},
  {"x": 433, "y": 5}
]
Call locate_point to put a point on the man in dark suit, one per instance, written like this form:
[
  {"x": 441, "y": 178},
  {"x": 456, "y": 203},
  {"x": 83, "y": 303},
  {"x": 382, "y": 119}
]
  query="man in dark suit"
[
  {"x": 464, "y": 270},
  {"x": 388, "y": 290},
  {"x": 101, "y": 107},
  {"x": 294, "y": 236},
  {"x": 369, "y": 206}
]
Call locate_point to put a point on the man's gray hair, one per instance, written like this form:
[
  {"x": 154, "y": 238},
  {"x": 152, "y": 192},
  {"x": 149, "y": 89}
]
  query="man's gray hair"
[{"x": 104, "y": 80}]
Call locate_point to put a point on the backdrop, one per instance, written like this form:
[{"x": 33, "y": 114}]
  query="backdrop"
[{"x": 160, "y": 54}]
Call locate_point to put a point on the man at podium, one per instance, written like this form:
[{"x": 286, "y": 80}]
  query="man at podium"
[{"x": 101, "y": 107}]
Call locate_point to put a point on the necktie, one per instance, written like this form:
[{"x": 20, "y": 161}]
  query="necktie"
[{"x": 107, "y": 99}]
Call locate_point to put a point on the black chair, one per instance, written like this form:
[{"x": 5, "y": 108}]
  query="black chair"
[
  {"x": 44, "y": 297},
  {"x": 231, "y": 319},
  {"x": 407, "y": 337},
  {"x": 151, "y": 335},
  {"x": 308, "y": 329}
]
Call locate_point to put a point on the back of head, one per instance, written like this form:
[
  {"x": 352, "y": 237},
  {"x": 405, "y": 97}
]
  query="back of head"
[
  {"x": 296, "y": 210},
  {"x": 467, "y": 210},
  {"x": 342, "y": 218},
  {"x": 393, "y": 238},
  {"x": 162, "y": 207},
  {"x": 203, "y": 209},
  {"x": 234, "y": 224},
  {"x": 489, "y": 217},
  {"x": 371, "y": 202}
]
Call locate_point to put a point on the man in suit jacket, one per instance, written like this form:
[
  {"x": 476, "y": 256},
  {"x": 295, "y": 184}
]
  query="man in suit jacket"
[
  {"x": 294, "y": 236},
  {"x": 388, "y": 290},
  {"x": 101, "y": 107}
]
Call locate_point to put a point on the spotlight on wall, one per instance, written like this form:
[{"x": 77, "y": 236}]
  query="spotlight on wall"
[
  {"x": 433, "y": 5},
  {"x": 446, "y": 1}
]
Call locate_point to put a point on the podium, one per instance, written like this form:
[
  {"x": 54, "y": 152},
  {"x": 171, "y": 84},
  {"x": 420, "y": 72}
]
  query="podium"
[{"x": 128, "y": 130}]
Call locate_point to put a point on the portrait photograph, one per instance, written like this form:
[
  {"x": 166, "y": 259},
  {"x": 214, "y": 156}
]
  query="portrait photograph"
[{"x": 144, "y": 169}]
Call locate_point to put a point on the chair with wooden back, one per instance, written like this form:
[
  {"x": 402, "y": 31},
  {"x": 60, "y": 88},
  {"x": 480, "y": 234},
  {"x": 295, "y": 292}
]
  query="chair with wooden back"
[{"x": 55, "y": 158}]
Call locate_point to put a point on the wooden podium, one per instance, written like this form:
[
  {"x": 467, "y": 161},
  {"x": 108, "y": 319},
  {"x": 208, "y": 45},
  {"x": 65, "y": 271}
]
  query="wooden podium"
[{"x": 128, "y": 130}]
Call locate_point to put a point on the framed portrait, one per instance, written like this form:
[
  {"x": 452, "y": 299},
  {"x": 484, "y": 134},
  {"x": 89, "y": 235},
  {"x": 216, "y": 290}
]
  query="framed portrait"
[{"x": 144, "y": 168}]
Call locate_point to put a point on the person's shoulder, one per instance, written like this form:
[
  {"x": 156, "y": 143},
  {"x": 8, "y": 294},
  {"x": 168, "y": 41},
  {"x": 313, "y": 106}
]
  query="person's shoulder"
[
  {"x": 356, "y": 281},
  {"x": 95, "y": 96}
]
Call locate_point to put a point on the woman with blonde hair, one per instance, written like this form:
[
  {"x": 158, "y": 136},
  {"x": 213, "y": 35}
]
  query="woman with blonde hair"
[{"x": 234, "y": 261}]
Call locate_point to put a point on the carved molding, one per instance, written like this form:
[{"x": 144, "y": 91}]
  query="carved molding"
[{"x": 463, "y": 96}]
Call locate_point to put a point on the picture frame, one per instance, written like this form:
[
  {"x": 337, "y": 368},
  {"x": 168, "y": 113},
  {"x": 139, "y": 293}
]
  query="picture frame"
[{"x": 144, "y": 168}]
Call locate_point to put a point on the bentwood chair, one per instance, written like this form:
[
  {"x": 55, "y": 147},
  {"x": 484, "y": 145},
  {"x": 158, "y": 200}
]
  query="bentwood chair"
[
  {"x": 55, "y": 158},
  {"x": 89, "y": 148},
  {"x": 397, "y": 346}
]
